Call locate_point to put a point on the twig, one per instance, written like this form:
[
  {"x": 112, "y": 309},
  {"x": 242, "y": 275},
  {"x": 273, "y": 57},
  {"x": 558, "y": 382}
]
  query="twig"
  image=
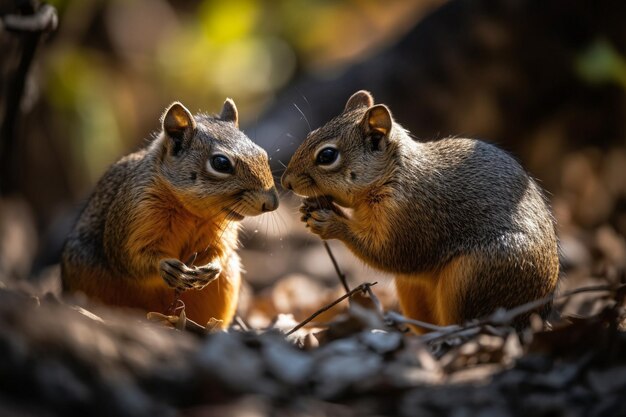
[
  {"x": 241, "y": 323},
  {"x": 175, "y": 303},
  {"x": 394, "y": 318},
  {"x": 592, "y": 288},
  {"x": 31, "y": 27},
  {"x": 340, "y": 274},
  {"x": 194, "y": 327},
  {"x": 498, "y": 318},
  {"x": 43, "y": 20},
  {"x": 188, "y": 324},
  {"x": 376, "y": 301},
  {"x": 362, "y": 287},
  {"x": 192, "y": 258},
  {"x": 528, "y": 307},
  {"x": 502, "y": 317}
]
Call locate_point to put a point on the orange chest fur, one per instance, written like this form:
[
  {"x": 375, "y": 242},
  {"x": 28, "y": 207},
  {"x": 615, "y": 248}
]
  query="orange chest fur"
[
  {"x": 188, "y": 236},
  {"x": 179, "y": 234},
  {"x": 372, "y": 217}
]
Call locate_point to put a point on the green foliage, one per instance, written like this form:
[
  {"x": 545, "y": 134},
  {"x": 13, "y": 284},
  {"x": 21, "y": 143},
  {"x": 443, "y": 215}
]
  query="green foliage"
[
  {"x": 601, "y": 63},
  {"x": 115, "y": 65},
  {"x": 79, "y": 91}
]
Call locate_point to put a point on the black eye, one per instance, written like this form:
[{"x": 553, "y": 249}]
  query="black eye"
[
  {"x": 327, "y": 156},
  {"x": 222, "y": 164}
]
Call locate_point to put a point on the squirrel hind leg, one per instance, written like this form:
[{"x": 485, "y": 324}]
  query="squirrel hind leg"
[
  {"x": 219, "y": 299},
  {"x": 481, "y": 283},
  {"x": 475, "y": 285},
  {"x": 417, "y": 299}
]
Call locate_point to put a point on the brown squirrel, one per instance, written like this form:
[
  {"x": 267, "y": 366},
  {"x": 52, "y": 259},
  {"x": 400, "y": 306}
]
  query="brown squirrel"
[
  {"x": 458, "y": 221},
  {"x": 175, "y": 204}
]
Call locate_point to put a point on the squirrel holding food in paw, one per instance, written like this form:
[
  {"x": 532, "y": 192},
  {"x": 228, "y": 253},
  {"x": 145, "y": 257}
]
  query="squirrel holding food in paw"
[
  {"x": 461, "y": 225},
  {"x": 163, "y": 221}
]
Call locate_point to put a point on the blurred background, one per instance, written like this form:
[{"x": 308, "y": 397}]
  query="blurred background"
[{"x": 544, "y": 80}]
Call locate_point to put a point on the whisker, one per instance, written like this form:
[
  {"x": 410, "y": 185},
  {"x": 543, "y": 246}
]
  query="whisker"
[
  {"x": 277, "y": 219},
  {"x": 228, "y": 219},
  {"x": 222, "y": 227},
  {"x": 305, "y": 99},
  {"x": 244, "y": 232},
  {"x": 302, "y": 113},
  {"x": 264, "y": 245},
  {"x": 269, "y": 227},
  {"x": 256, "y": 124}
]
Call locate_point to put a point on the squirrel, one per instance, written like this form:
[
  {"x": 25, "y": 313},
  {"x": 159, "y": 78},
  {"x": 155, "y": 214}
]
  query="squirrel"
[
  {"x": 461, "y": 225},
  {"x": 163, "y": 222}
]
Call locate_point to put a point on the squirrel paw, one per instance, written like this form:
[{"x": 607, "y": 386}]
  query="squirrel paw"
[
  {"x": 182, "y": 277},
  {"x": 325, "y": 223},
  {"x": 317, "y": 203},
  {"x": 313, "y": 204}
]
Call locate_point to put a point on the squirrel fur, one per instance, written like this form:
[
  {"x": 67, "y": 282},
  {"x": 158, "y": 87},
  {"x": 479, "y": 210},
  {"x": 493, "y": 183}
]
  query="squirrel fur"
[
  {"x": 461, "y": 225},
  {"x": 164, "y": 220}
]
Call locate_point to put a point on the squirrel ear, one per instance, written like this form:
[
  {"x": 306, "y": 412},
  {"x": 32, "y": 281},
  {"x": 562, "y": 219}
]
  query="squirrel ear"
[
  {"x": 229, "y": 112},
  {"x": 177, "y": 121},
  {"x": 359, "y": 99},
  {"x": 378, "y": 120}
]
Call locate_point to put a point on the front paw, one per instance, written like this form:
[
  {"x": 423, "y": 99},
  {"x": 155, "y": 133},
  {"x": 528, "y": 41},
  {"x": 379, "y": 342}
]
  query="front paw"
[
  {"x": 182, "y": 277},
  {"x": 312, "y": 204},
  {"x": 325, "y": 223},
  {"x": 317, "y": 203}
]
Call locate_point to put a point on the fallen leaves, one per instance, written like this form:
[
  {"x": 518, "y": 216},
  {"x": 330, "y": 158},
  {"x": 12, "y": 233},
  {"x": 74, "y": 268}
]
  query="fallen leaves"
[
  {"x": 108, "y": 363},
  {"x": 320, "y": 351}
]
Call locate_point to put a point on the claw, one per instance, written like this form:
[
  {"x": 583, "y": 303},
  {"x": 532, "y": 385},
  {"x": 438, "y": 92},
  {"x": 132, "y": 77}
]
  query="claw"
[{"x": 182, "y": 277}]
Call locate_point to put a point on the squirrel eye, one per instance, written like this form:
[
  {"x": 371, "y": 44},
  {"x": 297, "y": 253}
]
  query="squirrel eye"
[
  {"x": 222, "y": 164},
  {"x": 327, "y": 156}
]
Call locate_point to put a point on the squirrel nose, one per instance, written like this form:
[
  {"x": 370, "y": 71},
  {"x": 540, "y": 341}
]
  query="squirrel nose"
[
  {"x": 271, "y": 203},
  {"x": 285, "y": 181}
]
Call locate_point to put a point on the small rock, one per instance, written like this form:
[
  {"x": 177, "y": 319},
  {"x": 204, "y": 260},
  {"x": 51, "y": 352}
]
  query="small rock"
[
  {"x": 336, "y": 374},
  {"x": 287, "y": 363},
  {"x": 380, "y": 341},
  {"x": 226, "y": 357},
  {"x": 609, "y": 380}
]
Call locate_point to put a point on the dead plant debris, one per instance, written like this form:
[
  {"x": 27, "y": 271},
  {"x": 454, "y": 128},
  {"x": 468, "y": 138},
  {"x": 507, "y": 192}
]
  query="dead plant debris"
[{"x": 58, "y": 357}]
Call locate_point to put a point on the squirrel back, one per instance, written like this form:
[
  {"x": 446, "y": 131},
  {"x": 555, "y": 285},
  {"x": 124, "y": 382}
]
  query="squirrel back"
[
  {"x": 458, "y": 221},
  {"x": 166, "y": 218}
]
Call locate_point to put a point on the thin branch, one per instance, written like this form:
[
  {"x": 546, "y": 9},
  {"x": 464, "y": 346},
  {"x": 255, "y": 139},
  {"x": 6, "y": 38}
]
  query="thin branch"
[
  {"x": 176, "y": 321},
  {"x": 194, "y": 327},
  {"x": 362, "y": 287},
  {"x": 396, "y": 318},
  {"x": 31, "y": 27},
  {"x": 592, "y": 288},
  {"x": 340, "y": 274},
  {"x": 498, "y": 318},
  {"x": 177, "y": 303},
  {"x": 376, "y": 301},
  {"x": 44, "y": 20},
  {"x": 503, "y": 317},
  {"x": 241, "y": 323}
]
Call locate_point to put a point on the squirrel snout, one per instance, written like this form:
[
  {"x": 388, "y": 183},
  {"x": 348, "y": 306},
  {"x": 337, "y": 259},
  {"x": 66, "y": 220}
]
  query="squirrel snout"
[
  {"x": 286, "y": 181},
  {"x": 271, "y": 200}
]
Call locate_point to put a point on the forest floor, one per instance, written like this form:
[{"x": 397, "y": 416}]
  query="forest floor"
[{"x": 66, "y": 356}]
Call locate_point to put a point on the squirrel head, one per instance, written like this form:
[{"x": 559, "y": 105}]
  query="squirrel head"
[
  {"x": 212, "y": 166},
  {"x": 346, "y": 156}
]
